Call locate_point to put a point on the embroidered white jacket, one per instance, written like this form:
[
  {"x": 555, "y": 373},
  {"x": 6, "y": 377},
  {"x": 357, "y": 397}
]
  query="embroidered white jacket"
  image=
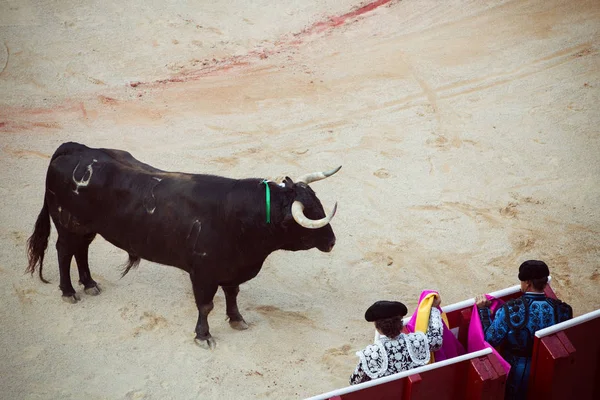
[{"x": 389, "y": 356}]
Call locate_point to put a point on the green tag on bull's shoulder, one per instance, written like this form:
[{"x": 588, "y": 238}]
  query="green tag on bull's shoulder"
[{"x": 268, "y": 200}]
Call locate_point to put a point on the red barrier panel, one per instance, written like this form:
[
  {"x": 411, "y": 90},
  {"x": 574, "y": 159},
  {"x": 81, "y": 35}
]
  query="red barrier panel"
[
  {"x": 476, "y": 378},
  {"x": 444, "y": 383},
  {"x": 463, "y": 325},
  {"x": 479, "y": 378},
  {"x": 387, "y": 391},
  {"x": 486, "y": 380},
  {"x": 566, "y": 363}
]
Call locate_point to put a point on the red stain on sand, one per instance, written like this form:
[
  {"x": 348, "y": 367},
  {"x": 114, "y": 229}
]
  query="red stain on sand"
[
  {"x": 19, "y": 126},
  {"x": 107, "y": 100},
  {"x": 219, "y": 66},
  {"x": 21, "y": 153},
  {"x": 83, "y": 110},
  {"x": 20, "y": 118},
  {"x": 47, "y": 125},
  {"x": 332, "y": 22}
]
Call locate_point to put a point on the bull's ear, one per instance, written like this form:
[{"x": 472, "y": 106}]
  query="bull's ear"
[{"x": 288, "y": 182}]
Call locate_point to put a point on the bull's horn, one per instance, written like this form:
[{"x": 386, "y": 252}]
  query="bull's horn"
[
  {"x": 317, "y": 176},
  {"x": 303, "y": 220}
]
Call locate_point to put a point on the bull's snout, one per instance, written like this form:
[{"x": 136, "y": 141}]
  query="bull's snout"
[{"x": 329, "y": 246}]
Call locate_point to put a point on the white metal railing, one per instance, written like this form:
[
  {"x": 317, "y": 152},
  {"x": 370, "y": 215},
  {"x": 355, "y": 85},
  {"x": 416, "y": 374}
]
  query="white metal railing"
[
  {"x": 400, "y": 375},
  {"x": 470, "y": 302},
  {"x": 568, "y": 324}
]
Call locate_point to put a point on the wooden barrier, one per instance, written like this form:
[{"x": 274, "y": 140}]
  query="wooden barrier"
[
  {"x": 566, "y": 360},
  {"x": 473, "y": 376}
]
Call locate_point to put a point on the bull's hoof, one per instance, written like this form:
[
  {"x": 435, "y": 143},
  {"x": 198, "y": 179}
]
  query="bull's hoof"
[
  {"x": 238, "y": 325},
  {"x": 207, "y": 344},
  {"x": 72, "y": 299},
  {"x": 93, "y": 291}
]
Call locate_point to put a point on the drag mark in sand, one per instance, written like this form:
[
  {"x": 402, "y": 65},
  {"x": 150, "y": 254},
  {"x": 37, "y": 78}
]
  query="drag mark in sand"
[
  {"x": 525, "y": 70},
  {"x": 276, "y": 315},
  {"x": 7, "y": 57}
]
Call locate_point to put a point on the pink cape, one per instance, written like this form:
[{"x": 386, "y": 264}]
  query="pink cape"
[
  {"x": 451, "y": 347},
  {"x": 476, "y": 338}
]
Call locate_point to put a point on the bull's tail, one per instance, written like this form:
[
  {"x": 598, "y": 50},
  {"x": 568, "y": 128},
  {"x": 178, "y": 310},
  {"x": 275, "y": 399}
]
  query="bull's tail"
[
  {"x": 38, "y": 242},
  {"x": 133, "y": 262}
]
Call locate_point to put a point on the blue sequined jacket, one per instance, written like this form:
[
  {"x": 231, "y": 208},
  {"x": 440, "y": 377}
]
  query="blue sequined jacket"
[{"x": 516, "y": 322}]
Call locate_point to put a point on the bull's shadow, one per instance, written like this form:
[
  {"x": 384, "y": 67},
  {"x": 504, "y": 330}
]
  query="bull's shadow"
[{"x": 219, "y": 230}]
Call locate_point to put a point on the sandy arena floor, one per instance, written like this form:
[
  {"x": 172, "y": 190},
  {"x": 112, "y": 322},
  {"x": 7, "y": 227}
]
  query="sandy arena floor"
[{"x": 467, "y": 130}]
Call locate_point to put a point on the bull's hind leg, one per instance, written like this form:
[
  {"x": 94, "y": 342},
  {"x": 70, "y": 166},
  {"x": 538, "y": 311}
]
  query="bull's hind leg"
[
  {"x": 81, "y": 256},
  {"x": 65, "y": 247},
  {"x": 204, "y": 292},
  {"x": 236, "y": 321},
  {"x": 71, "y": 244}
]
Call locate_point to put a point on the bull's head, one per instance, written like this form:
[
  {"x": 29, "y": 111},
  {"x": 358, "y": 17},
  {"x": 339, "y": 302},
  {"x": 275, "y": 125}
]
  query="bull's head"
[{"x": 311, "y": 227}]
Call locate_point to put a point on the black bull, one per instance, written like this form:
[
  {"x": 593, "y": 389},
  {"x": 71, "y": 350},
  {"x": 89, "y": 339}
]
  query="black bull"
[{"x": 214, "y": 228}]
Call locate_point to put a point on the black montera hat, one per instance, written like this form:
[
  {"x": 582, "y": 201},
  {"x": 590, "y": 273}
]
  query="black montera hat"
[
  {"x": 385, "y": 309},
  {"x": 533, "y": 269}
]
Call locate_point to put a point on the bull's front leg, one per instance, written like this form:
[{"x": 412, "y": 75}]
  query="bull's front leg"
[
  {"x": 204, "y": 292},
  {"x": 236, "y": 321}
]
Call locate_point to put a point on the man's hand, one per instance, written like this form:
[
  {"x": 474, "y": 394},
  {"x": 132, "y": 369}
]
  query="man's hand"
[
  {"x": 481, "y": 301},
  {"x": 437, "y": 300}
]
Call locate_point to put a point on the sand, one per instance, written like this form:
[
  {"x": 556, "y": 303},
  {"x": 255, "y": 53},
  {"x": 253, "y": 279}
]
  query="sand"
[{"x": 467, "y": 131}]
